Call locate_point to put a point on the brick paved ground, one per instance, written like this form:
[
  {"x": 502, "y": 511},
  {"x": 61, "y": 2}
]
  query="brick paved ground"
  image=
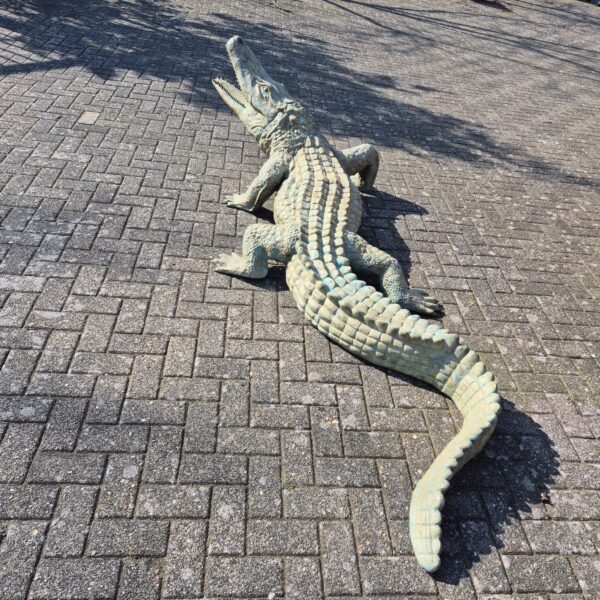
[{"x": 169, "y": 432}]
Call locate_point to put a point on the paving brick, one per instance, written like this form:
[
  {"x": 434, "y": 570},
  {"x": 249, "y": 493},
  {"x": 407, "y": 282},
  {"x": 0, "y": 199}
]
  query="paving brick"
[
  {"x": 58, "y": 351},
  {"x": 540, "y": 574},
  {"x": 145, "y": 376},
  {"x": 558, "y": 537},
  {"x": 19, "y": 551},
  {"x": 155, "y": 412},
  {"x": 201, "y": 427},
  {"x": 17, "y": 449},
  {"x": 296, "y": 458},
  {"x": 575, "y": 504},
  {"x": 26, "y": 502},
  {"x": 264, "y": 487},
  {"x": 69, "y": 527},
  {"x": 61, "y": 384},
  {"x": 234, "y": 404},
  {"x": 488, "y": 573},
  {"x": 64, "y": 424},
  {"x": 373, "y": 444},
  {"x": 180, "y": 388},
  {"x": 353, "y": 413},
  {"x": 264, "y": 381},
  {"x": 120, "y": 486},
  {"x": 113, "y": 438},
  {"x": 227, "y": 528},
  {"x": 279, "y": 417},
  {"x": 348, "y": 472},
  {"x": 315, "y": 503},
  {"x": 326, "y": 435},
  {"x": 340, "y": 565},
  {"x": 124, "y": 537},
  {"x": 95, "y": 338},
  {"x": 163, "y": 454},
  {"x": 75, "y": 578},
  {"x": 238, "y": 440},
  {"x": 394, "y": 575},
  {"x": 105, "y": 404},
  {"x": 185, "y": 559},
  {"x": 21, "y": 409},
  {"x": 66, "y": 467},
  {"x": 217, "y": 469},
  {"x": 16, "y": 371},
  {"x": 140, "y": 579},
  {"x": 371, "y": 531},
  {"x": 166, "y": 501},
  {"x": 302, "y": 579},
  {"x": 179, "y": 361},
  {"x": 256, "y": 576},
  {"x": 307, "y": 393},
  {"x": 282, "y": 537},
  {"x": 588, "y": 575}
]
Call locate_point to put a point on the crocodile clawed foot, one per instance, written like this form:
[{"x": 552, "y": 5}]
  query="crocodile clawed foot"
[
  {"x": 239, "y": 201},
  {"x": 421, "y": 302},
  {"x": 234, "y": 264}
]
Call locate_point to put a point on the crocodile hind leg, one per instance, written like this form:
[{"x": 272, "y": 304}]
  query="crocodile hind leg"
[
  {"x": 366, "y": 258},
  {"x": 261, "y": 243},
  {"x": 362, "y": 160}
]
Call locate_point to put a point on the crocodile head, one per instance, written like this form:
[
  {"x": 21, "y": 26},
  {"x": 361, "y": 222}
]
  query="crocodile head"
[{"x": 259, "y": 99}]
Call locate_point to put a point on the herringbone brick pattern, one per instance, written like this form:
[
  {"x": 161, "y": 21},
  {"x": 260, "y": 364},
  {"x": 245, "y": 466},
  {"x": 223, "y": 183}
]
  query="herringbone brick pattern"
[{"x": 168, "y": 432}]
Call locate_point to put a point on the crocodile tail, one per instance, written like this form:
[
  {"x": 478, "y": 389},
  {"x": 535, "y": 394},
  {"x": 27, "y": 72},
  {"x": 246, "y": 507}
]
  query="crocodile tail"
[{"x": 473, "y": 389}]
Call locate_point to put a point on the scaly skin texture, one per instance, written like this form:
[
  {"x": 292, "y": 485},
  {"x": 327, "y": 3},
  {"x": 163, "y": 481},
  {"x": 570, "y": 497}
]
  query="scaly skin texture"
[{"x": 317, "y": 213}]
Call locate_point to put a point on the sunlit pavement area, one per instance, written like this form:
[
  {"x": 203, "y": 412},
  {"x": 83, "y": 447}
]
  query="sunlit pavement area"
[{"x": 169, "y": 432}]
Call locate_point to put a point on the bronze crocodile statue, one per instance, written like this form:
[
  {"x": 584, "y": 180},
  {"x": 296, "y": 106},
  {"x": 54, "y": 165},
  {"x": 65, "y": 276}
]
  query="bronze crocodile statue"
[{"x": 317, "y": 213}]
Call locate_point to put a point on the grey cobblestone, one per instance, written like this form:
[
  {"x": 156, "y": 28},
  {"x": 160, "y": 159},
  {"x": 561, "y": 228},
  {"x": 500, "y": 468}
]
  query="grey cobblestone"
[
  {"x": 340, "y": 565},
  {"x": 125, "y": 537},
  {"x": 140, "y": 579},
  {"x": 68, "y": 530},
  {"x": 21, "y": 545},
  {"x": 256, "y": 576},
  {"x": 285, "y": 537},
  {"x": 75, "y": 578},
  {"x": 185, "y": 559},
  {"x": 169, "y": 432},
  {"x": 226, "y": 533}
]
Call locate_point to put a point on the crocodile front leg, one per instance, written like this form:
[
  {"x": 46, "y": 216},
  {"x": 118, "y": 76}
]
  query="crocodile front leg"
[
  {"x": 265, "y": 183},
  {"x": 369, "y": 259},
  {"x": 261, "y": 243},
  {"x": 364, "y": 160}
]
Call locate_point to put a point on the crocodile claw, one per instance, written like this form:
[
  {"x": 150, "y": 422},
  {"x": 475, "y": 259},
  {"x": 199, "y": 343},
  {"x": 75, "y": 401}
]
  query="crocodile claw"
[{"x": 421, "y": 302}]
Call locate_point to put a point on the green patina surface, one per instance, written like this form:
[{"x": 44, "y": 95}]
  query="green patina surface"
[{"x": 317, "y": 213}]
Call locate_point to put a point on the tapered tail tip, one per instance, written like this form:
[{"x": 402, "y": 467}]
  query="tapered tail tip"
[{"x": 429, "y": 562}]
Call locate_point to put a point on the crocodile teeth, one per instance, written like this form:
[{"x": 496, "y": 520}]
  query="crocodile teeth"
[{"x": 231, "y": 94}]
